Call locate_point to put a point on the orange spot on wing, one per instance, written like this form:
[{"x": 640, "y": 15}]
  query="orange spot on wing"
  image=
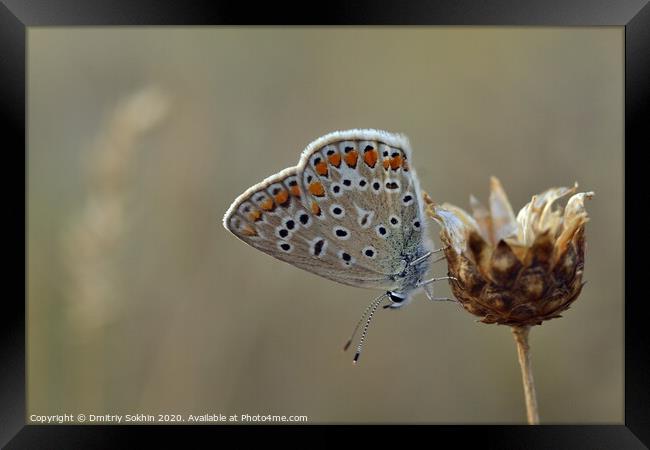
[
  {"x": 295, "y": 191},
  {"x": 267, "y": 205},
  {"x": 315, "y": 209},
  {"x": 396, "y": 162},
  {"x": 317, "y": 189},
  {"x": 351, "y": 158},
  {"x": 370, "y": 157},
  {"x": 247, "y": 230},
  {"x": 386, "y": 164},
  {"x": 321, "y": 168},
  {"x": 335, "y": 160},
  {"x": 281, "y": 197},
  {"x": 255, "y": 215}
]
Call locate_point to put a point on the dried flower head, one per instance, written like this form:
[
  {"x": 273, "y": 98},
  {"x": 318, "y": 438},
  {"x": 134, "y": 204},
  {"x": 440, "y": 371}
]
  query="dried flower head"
[{"x": 515, "y": 271}]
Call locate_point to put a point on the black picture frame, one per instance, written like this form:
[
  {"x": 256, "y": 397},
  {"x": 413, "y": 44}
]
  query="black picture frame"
[{"x": 633, "y": 15}]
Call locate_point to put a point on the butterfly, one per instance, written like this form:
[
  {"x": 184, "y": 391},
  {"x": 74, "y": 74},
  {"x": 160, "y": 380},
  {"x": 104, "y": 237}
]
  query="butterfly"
[{"x": 350, "y": 211}]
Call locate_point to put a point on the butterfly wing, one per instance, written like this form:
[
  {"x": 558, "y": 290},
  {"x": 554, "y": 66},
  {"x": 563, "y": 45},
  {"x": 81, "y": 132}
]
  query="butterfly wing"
[
  {"x": 349, "y": 211},
  {"x": 272, "y": 217},
  {"x": 369, "y": 198}
]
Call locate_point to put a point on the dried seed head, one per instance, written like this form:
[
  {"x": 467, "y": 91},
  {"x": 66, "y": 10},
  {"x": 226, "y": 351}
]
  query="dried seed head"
[{"x": 516, "y": 271}]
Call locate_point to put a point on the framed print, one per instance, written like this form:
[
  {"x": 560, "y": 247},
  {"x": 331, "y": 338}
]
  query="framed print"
[{"x": 220, "y": 199}]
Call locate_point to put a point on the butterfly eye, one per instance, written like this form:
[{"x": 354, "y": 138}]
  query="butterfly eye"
[{"x": 395, "y": 297}]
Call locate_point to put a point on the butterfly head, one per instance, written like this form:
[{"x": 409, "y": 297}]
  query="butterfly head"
[
  {"x": 397, "y": 299},
  {"x": 409, "y": 279}
]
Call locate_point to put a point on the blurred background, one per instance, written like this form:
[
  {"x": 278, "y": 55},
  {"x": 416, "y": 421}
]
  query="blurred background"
[{"x": 139, "y": 139}]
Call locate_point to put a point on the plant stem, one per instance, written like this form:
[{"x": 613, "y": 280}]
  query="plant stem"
[{"x": 523, "y": 352}]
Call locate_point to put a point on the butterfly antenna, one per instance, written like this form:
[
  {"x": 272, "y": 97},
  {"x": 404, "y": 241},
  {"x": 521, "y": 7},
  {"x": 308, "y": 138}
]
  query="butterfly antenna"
[
  {"x": 363, "y": 316},
  {"x": 375, "y": 305}
]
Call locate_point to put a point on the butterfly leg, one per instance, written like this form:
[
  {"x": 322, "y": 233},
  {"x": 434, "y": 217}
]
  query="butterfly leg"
[
  {"x": 420, "y": 259},
  {"x": 438, "y": 259},
  {"x": 428, "y": 290},
  {"x": 426, "y": 255},
  {"x": 433, "y": 280}
]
